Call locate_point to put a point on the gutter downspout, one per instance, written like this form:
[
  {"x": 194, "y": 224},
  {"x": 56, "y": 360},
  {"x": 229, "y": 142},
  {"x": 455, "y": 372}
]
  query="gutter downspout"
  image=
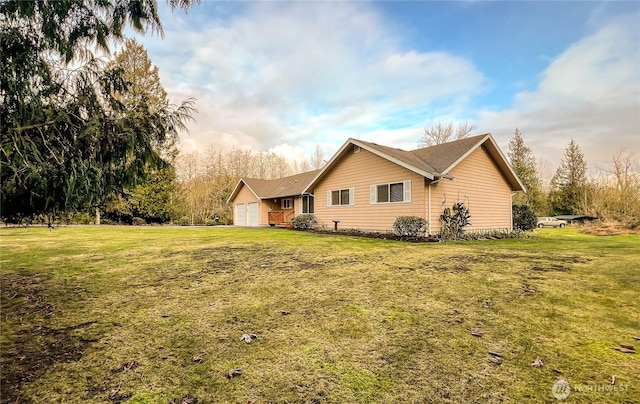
[
  {"x": 511, "y": 210},
  {"x": 429, "y": 208},
  {"x": 436, "y": 179}
]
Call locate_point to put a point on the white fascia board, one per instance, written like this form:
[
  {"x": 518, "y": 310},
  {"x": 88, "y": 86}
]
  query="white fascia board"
[{"x": 394, "y": 160}]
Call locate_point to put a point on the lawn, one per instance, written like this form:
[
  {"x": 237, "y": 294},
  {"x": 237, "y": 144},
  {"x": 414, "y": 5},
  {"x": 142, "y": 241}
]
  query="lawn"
[{"x": 156, "y": 315}]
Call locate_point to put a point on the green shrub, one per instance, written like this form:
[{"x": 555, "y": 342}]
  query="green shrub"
[
  {"x": 183, "y": 221},
  {"x": 82, "y": 218},
  {"x": 523, "y": 218},
  {"x": 410, "y": 226},
  {"x": 138, "y": 221},
  {"x": 305, "y": 221}
]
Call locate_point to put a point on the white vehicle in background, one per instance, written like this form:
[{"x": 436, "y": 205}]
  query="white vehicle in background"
[{"x": 551, "y": 222}]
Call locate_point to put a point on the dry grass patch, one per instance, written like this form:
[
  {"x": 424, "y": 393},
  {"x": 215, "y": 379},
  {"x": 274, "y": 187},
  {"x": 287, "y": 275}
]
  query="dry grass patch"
[
  {"x": 156, "y": 315},
  {"x": 611, "y": 228}
]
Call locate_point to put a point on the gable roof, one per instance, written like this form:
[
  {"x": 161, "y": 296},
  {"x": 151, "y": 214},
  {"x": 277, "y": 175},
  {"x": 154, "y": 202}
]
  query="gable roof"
[
  {"x": 443, "y": 157},
  {"x": 281, "y": 187},
  {"x": 433, "y": 162},
  {"x": 404, "y": 158}
]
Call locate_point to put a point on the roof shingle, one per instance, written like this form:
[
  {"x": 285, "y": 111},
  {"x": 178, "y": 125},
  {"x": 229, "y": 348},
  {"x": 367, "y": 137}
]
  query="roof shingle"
[{"x": 286, "y": 186}]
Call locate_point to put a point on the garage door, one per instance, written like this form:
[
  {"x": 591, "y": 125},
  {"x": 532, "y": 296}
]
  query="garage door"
[
  {"x": 240, "y": 214},
  {"x": 253, "y": 214}
]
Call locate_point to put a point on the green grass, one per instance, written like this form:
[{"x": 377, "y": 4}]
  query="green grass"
[{"x": 370, "y": 320}]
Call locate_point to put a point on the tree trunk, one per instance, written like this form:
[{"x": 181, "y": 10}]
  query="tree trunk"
[{"x": 97, "y": 215}]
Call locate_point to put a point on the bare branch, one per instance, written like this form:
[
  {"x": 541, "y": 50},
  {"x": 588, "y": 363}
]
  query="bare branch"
[{"x": 441, "y": 133}]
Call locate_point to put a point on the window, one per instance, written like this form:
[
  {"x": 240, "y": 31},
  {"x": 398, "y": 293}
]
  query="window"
[
  {"x": 340, "y": 197},
  {"x": 286, "y": 203},
  {"x": 391, "y": 193},
  {"x": 307, "y": 204}
]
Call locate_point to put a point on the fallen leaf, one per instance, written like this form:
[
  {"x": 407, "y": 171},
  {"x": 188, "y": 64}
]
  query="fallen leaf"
[
  {"x": 613, "y": 379},
  {"x": 495, "y": 354},
  {"x": 624, "y": 350},
  {"x": 636, "y": 338},
  {"x": 477, "y": 333},
  {"x": 130, "y": 366},
  {"x": 197, "y": 359},
  {"x": 184, "y": 400},
  {"x": 233, "y": 373},
  {"x": 248, "y": 338},
  {"x": 628, "y": 347},
  {"x": 495, "y": 360},
  {"x": 285, "y": 312},
  {"x": 537, "y": 363},
  {"x": 113, "y": 393}
]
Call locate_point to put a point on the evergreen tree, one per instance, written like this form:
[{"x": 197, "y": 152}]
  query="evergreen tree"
[
  {"x": 144, "y": 89},
  {"x": 152, "y": 198},
  {"x": 568, "y": 183},
  {"x": 523, "y": 163},
  {"x": 67, "y": 141},
  {"x": 155, "y": 200}
]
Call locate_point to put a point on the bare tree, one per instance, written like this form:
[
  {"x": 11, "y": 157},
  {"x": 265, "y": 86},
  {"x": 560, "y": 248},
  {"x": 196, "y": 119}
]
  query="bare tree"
[
  {"x": 300, "y": 166},
  {"x": 317, "y": 159},
  {"x": 443, "y": 133},
  {"x": 615, "y": 193}
]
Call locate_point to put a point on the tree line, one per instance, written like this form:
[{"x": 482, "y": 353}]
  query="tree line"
[
  {"x": 609, "y": 193},
  {"x": 203, "y": 182},
  {"x": 96, "y": 138},
  {"x": 196, "y": 189}
]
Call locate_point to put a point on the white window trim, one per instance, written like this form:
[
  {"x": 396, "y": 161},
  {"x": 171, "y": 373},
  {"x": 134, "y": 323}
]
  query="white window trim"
[
  {"x": 283, "y": 203},
  {"x": 308, "y": 204},
  {"x": 352, "y": 192},
  {"x": 406, "y": 195}
]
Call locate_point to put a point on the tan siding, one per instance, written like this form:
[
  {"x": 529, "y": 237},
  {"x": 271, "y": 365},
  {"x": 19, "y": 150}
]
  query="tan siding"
[
  {"x": 244, "y": 196},
  {"x": 480, "y": 184},
  {"x": 264, "y": 206},
  {"x": 360, "y": 171},
  {"x": 275, "y": 204},
  {"x": 267, "y": 206}
]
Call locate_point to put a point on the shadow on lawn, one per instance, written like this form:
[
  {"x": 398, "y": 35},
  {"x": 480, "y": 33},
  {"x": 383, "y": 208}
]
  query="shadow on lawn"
[{"x": 33, "y": 350}]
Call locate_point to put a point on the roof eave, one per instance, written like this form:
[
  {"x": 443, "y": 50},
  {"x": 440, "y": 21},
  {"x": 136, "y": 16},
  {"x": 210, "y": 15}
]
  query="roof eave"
[
  {"x": 516, "y": 184},
  {"x": 500, "y": 159},
  {"x": 355, "y": 142},
  {"x": 237, "y": 189},
  {"x": 327, "y": 166},
  {"x": 467, "y": 153},
  {"x": 401, "y": 163}
]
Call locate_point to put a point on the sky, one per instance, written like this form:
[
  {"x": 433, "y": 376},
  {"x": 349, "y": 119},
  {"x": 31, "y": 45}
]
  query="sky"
[{"x": 290, "y": 76}]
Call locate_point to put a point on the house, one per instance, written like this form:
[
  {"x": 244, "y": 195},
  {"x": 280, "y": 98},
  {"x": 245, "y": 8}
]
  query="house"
[
  {"x": 271, "y": 202},
  {"x": 366, "y": 186}
]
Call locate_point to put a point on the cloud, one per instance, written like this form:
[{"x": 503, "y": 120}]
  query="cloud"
[
  {"x": 299, "y": 74},
  {"x": 591, "y": 93}
]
